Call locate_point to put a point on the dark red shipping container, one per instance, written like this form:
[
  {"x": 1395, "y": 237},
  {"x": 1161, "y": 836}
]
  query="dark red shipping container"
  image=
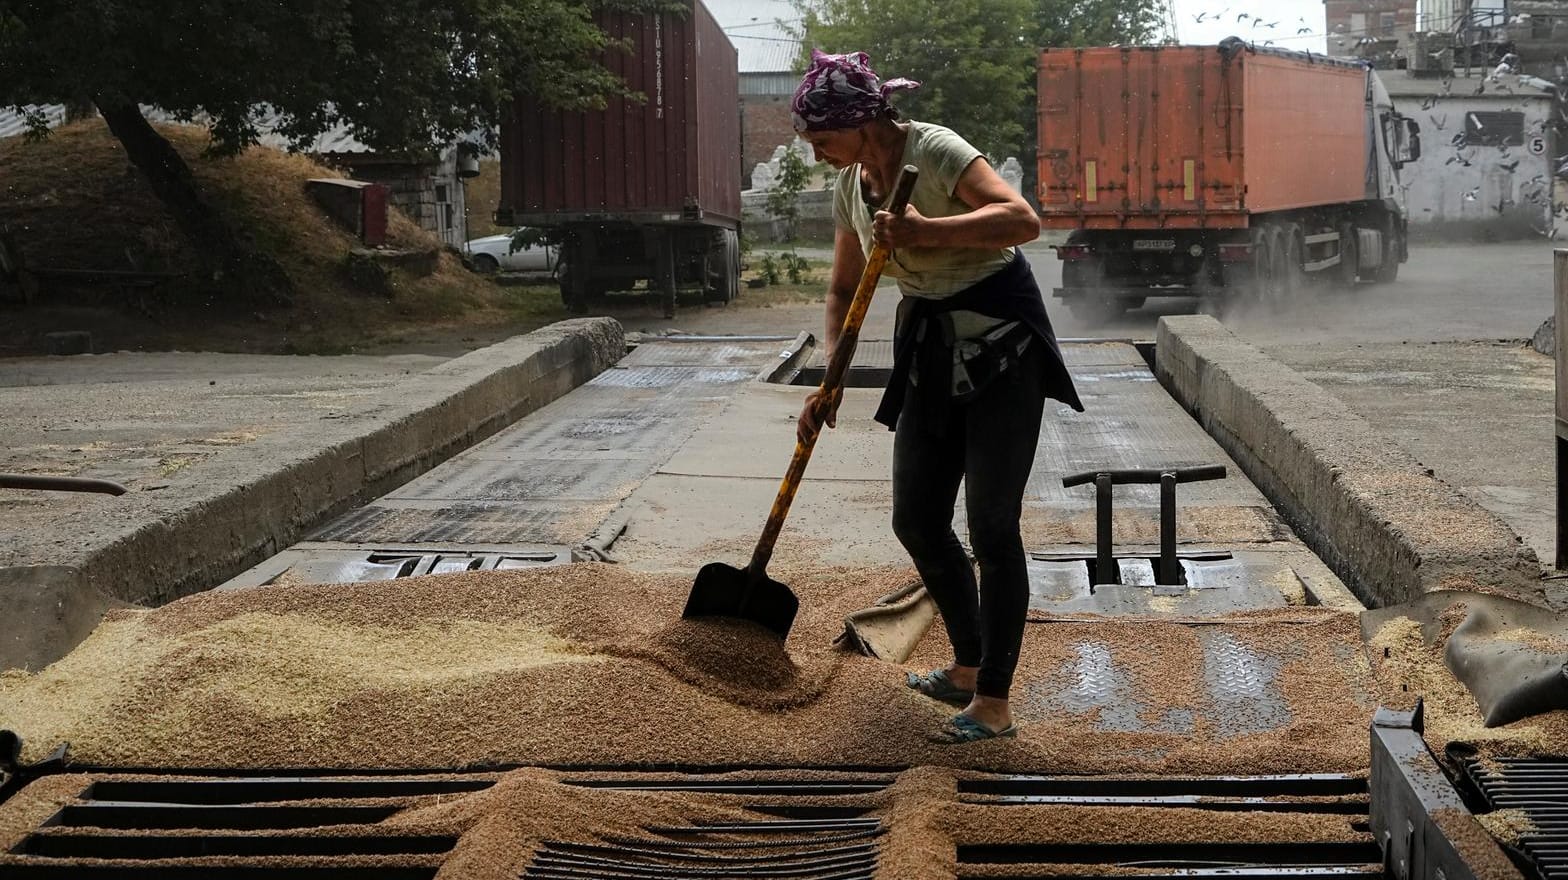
[{"x": 674, "y": 157}]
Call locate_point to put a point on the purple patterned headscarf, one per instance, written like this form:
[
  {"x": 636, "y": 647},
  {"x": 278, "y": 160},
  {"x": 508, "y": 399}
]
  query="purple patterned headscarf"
[{"x": 841, "y": 91}]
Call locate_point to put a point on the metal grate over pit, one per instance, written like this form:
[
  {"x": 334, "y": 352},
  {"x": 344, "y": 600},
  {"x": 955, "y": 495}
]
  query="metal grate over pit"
[
  {"x": 871, "y": 367},
  {"x": 817, "y": 849},
  {"x": 809, "y": 824},
  {"x": 322, "y": 826},
  {"x": 238, "y": 827},
  {"x": 1342, "y": 797},
  {"x": 1538, "y": 787},
  {"x": 1320, "y": 793}
]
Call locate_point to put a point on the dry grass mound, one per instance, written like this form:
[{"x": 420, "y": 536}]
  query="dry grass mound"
[{"x": 74, "y": 200}]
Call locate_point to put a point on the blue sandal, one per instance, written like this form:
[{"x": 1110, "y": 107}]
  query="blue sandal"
[
  {"x": 938, "y": 686},
  {"x": 962, "y": 729}
]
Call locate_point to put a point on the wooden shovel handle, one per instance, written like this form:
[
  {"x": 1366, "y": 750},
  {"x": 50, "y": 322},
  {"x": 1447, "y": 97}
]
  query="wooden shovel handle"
[{"x": 833, "y": 379}]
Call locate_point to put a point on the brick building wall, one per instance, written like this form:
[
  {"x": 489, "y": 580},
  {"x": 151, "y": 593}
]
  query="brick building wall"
[
  {"x": 766, "y": 124},
  {"x": 1382, "y": 19}
]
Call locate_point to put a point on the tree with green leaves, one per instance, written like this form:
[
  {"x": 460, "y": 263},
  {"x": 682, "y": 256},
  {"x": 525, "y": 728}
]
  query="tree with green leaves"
[
  {"x": 784, "y": 196},
  {"x": 1062, "y": 23},
  {"x": 403, "y": 75},
  {"x": 975, "y": 59},
  {"x": 972, "y": 57}
]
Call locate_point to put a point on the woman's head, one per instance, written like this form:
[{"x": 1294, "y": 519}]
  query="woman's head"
[{"x": 841, "y": 92}]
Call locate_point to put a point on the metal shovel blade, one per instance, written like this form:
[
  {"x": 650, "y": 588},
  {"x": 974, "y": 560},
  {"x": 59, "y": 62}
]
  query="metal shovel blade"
[{"x": 726, "y": 591}]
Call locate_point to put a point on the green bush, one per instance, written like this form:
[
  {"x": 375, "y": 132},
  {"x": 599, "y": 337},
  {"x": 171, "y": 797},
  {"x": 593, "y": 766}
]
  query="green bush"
[
  {"x": 796, "y": 267},
  {"x": 771, "y": 269}
]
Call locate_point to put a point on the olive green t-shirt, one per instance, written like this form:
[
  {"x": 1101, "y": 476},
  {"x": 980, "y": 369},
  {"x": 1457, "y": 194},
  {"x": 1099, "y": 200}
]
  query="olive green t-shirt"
[{"x": 928, "y": 272}]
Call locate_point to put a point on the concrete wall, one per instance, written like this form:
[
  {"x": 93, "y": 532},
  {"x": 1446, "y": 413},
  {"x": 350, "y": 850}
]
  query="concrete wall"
[
  {"x": 429, "y": 193},
  {"x": 214, "y": 521},
  {"x": 1389, "y": 528},
  {"x": 815, "y": 222},
  {"x": 1478, "y": 192}
]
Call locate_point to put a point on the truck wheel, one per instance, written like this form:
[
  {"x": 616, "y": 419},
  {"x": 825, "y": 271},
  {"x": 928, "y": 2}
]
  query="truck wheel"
[
  {"x": 1278, "y": 290},
  {"x": 724, "y": 276},
  {"x": 575, "y": 303},
  {"x": 1296, "y": 279},
  {"x": 1262, "y": 265},
  {"x": 735, "y": 264},
  {"x": 1388, "y": 272},
  {"x": 1349, "y": 268},
  {"x": 1089, "y": 307},
  {"x": 1097, "y": 310}
]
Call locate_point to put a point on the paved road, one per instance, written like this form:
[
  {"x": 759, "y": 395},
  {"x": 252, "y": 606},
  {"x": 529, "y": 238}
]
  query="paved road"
[{"x": 1445, "y": 292}]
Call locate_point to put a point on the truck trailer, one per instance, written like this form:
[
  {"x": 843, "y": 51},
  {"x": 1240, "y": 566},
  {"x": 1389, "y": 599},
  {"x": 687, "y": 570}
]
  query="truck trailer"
[
  {"x": 1217, "y": 172},
  {"x": 644, "y": 190}
]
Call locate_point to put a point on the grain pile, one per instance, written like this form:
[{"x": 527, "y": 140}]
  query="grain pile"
[
  {"x": 1408, "y": 661},
  {"x": 24, "y": 811},
  {"x": 1474, "y": 845},
  {"x": 591, "y": 664},
  {"x": 1508, "y": 826}
]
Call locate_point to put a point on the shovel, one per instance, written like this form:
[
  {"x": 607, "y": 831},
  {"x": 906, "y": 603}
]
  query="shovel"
[{"x": 749, "y": 594}]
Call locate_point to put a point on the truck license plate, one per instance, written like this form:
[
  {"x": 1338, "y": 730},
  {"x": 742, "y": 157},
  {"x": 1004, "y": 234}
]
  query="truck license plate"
[{"x": 1153, "y": 244}]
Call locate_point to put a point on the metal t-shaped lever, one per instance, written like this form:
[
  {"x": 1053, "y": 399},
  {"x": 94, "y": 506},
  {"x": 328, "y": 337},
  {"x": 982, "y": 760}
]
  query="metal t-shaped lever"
[{"x": 1105, "y": 567}]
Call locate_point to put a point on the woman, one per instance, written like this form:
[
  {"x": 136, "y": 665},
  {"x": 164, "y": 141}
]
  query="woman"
[{"x": 975, "y": 358}]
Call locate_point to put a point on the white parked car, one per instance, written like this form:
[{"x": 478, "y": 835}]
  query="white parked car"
[{"x": 494, "y": 253}]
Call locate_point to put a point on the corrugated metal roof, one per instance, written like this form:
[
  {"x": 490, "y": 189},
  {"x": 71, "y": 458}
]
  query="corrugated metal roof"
[
  {"x": 768, "y": 85},
  {"x": 759, "y": 30}
]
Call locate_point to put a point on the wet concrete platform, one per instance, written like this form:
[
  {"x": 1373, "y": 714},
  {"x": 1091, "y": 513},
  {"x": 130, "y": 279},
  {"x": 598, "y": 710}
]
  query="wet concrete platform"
[{"x": 684, "y": 443}]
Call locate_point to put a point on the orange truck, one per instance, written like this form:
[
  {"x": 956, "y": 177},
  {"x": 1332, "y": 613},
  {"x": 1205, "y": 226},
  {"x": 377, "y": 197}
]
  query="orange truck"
[{"x": 1217, "y": 172}]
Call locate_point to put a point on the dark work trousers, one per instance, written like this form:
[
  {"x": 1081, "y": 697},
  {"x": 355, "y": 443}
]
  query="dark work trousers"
[{"x": 989, "y": 444}]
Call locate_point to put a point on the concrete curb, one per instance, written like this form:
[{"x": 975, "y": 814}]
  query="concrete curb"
[
  {"x": 216, "y": 520},
  {"x": 1386, "y": 525}
]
